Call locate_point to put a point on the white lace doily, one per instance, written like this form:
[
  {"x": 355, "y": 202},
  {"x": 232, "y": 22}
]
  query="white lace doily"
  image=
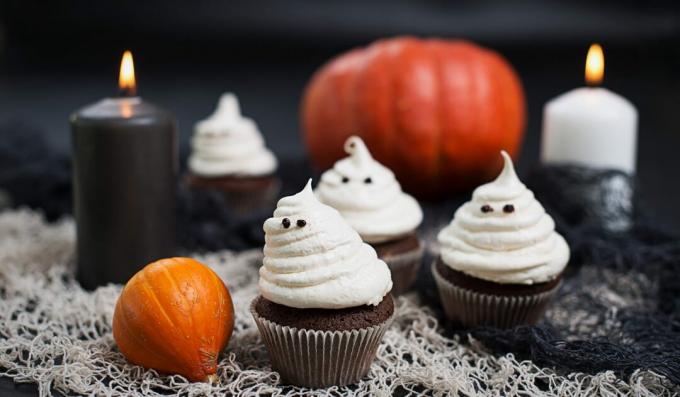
[{"x": 55, "y": 334}]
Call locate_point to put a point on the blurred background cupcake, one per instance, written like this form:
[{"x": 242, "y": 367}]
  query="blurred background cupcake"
[
  {"x": 229, "y": 155},
  {"x": 369, "y": 197},
  {"x": 501, "y": 260},
  {"x": 325, "y": 301}
]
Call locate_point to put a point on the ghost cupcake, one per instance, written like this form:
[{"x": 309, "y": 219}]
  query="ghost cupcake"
[
  {"x": 370, "y": 199},
  {"x": 325, "y": 302},
  {"x": 229, "y": 155},
  {"x": 501, "y": 260}
]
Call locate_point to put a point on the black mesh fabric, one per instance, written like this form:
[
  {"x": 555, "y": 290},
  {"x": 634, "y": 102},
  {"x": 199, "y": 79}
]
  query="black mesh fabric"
[{"x": 644, "y": 337}]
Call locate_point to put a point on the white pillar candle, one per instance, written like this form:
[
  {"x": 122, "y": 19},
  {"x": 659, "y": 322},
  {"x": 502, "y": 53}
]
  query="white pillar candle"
[{"x": 590, "y": 126}]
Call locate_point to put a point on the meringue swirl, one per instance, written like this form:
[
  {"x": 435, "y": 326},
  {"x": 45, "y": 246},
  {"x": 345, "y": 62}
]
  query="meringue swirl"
[
  {"x": 504, "y": 235},
  {"x": 314, "y": 259},
  {"x": 227, "y": 143},
  {"x": 368, "y": 196}
]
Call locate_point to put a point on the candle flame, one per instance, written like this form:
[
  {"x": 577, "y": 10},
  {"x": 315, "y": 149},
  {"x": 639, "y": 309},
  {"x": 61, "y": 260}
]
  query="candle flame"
[
  {"x": 595, "y": 65},
  {"x": 126, "y": 78}
]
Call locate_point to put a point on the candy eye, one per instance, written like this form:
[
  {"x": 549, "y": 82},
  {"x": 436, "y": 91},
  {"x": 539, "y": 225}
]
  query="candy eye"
[
  {"x": 508, "y": 208},
  {"x": 285, "y": 222},
  {"x": 486, "y": 208},
  {"x": 345, "y": 179},
  {"x": 368, "y": 180},
  {"x": 301, "y": 222}
]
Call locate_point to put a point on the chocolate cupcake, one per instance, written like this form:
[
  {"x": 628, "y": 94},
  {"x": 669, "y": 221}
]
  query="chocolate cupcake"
[
  {"x": 325, "y": 303},
  {"x": 501, "y": 260},
  {"x": 370, "y": 199},
  {"x": 229, "y": 155}
]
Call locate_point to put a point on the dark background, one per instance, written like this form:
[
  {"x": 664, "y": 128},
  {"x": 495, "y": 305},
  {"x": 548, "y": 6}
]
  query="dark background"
[{"x": 58, "y": 56}]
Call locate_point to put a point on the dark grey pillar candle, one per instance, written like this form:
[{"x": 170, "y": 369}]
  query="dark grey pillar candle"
[{"x": 125, "y": 165}]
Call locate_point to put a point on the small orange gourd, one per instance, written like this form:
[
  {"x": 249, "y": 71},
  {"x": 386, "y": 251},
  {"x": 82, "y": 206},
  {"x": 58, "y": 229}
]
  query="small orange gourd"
[{"x": 175, "y": 316}]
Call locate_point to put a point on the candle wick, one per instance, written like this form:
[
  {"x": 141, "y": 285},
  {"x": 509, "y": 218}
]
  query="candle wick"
[
  {"x": 127, "y": 92},
  {"x": 593, "y": 84}
]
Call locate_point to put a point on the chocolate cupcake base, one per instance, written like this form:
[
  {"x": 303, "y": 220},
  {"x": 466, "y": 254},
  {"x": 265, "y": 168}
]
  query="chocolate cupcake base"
[
  {"x": 470, "y": 302},
  {"x": 336, "y": 355},
  {"x": 404, "y": 257},
  {"x": 243, "y": 194}
]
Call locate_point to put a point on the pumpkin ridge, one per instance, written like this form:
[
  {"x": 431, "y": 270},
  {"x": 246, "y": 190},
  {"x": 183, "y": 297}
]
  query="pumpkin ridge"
[
  {"x": 210, "y": 347},
  {"x": 197, "y": 348},
  {"x": 131, "y": 337},
  {"x": 352, "y": 99},
  {"x": 500, "y": 106},
  {"x": 472, "y": 129},
  {"x": 489, "y": 108},
  {"x": 437, "y": 65},
  {"x": 172, "y": 280},
  {"x": 196, "y": 343},
  {"x": 150, "y": 292},
  {"x": 393, "y": 126},
  {"x": 222, "y": 327}
]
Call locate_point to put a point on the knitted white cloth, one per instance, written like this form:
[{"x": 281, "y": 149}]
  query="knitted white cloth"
[{"x": 55, "y": 334}]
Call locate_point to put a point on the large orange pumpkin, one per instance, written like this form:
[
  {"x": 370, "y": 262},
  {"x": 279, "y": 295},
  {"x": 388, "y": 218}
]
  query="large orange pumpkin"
[
  {"x": 174, "y": 316},
  {"x": 436, "y": 112}
]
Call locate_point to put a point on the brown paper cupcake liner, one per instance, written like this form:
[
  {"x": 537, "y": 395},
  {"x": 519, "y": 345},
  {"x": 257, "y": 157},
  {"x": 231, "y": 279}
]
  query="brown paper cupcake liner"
[
  {"x": 317, "y": 359},
  {"x": 404, "y": 269},
  {"x": 470, "y": 308}
]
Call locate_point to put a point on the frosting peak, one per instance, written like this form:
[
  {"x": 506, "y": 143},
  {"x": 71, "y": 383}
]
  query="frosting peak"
[
  {"x": 226, "y": 143},
  {"x": 314, "y": 259},
  {"x": 506, "y": 185},
  {"x": 358, "y": 152},
  {"x": 508, "y": 176},
  {"x": 304, "y": 196},
  {"x": 228, "y": 109},
  {"x": 504, "y": 235},
  {"x": 368, "y": 196}
]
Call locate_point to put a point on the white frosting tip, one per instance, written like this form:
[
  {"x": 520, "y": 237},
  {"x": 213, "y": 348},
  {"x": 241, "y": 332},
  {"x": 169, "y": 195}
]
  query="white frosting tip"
[
  {"x": 306, "y": 194},
  {"x": 228, "y": 104},
  {"x": 308, "y": 187},
  {"x": 508, "y": 173},
  {"x": 506, "y": 157},
  {"x": 356, "y": 148}
]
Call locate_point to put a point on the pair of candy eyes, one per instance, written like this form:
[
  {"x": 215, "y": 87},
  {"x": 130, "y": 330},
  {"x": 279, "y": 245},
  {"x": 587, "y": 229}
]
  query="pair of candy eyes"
[
  {"x": 507, "y": 208},
  {"x": 286, "y": 223},
  {"x": 367, "y": 180}
]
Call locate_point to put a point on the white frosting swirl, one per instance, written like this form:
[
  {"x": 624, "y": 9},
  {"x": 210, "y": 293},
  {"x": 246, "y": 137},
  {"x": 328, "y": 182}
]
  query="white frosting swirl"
[
  {"x": 368, "y": 196},
  {"x": 227, "y": 143},
  {"x": 321, "y": 264},
  {"x": 518, "y": 247}
]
